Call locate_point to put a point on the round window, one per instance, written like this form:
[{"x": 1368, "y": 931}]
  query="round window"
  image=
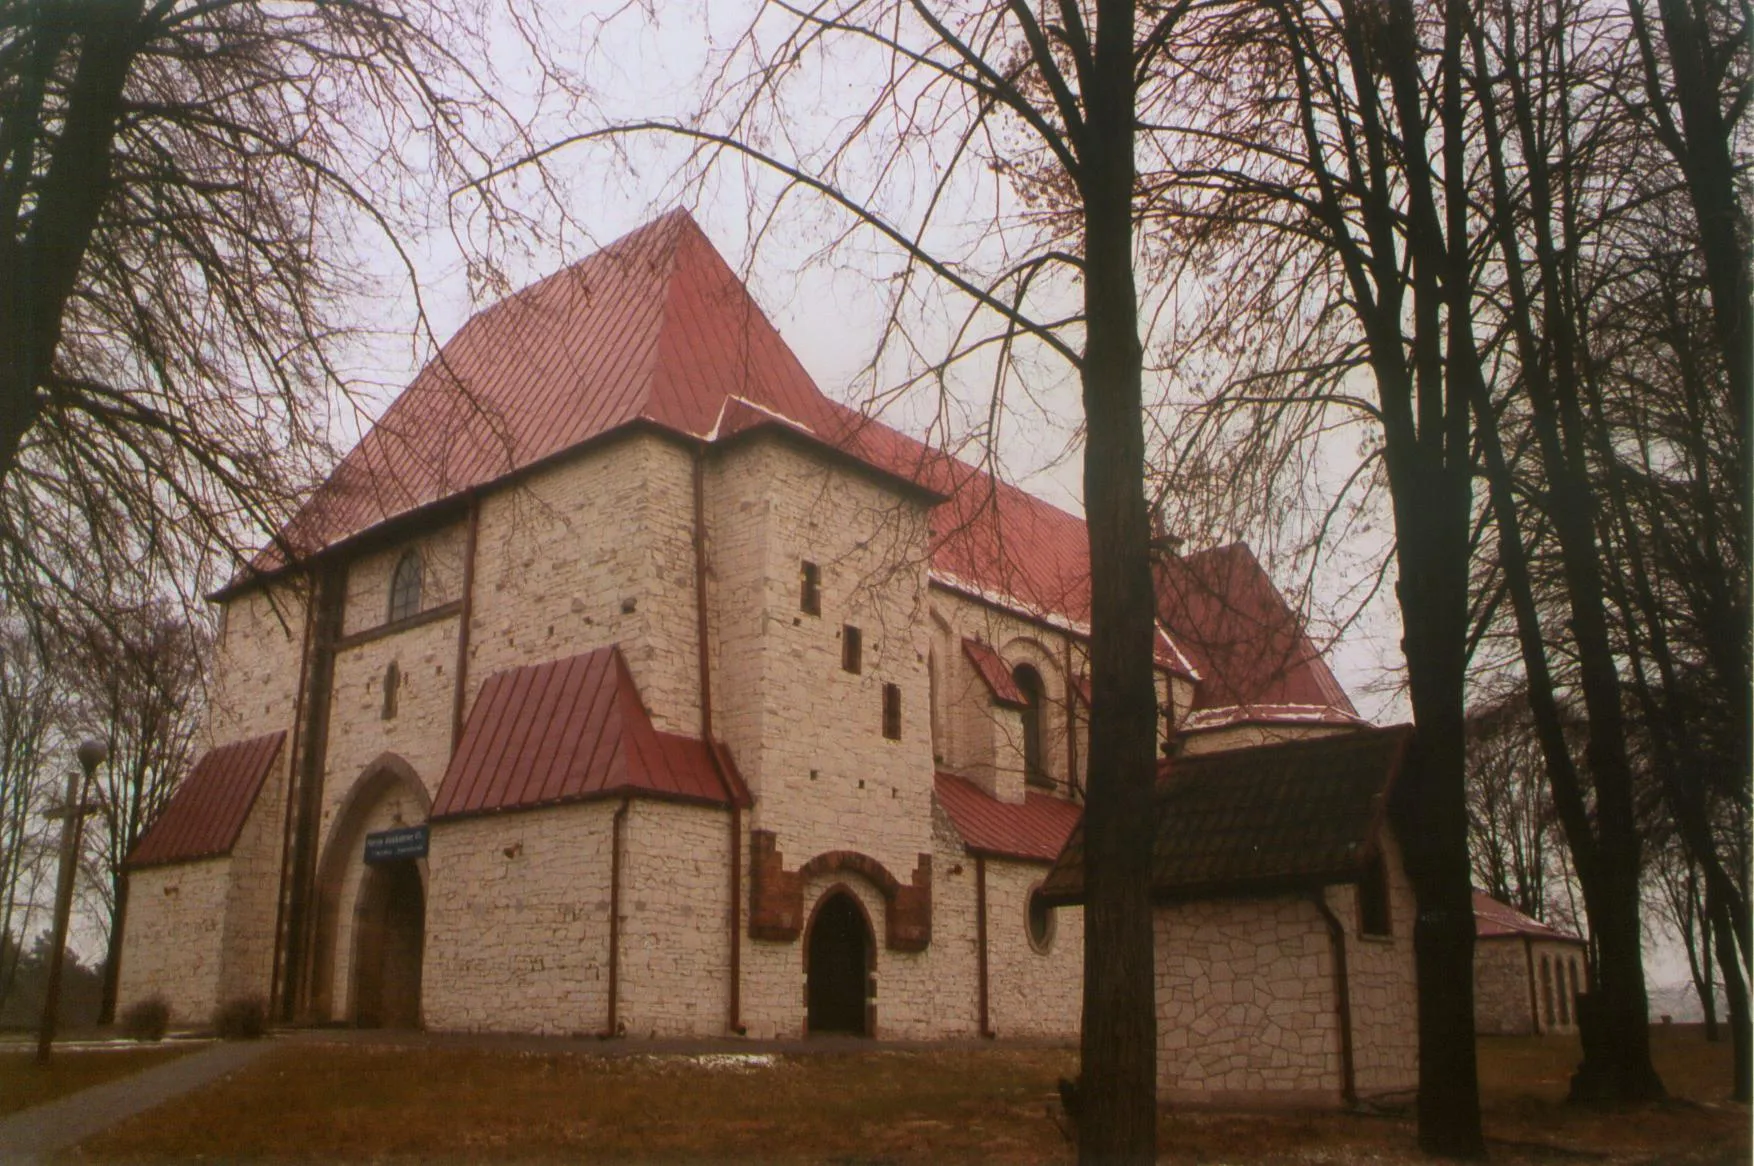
[{"x": 1040, "y": 922}]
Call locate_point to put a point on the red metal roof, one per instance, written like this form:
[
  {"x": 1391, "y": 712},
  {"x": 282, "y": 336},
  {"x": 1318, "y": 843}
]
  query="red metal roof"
[
  {"x": 1248, "y": 646},
  {"x": 1034, "y": 829},
  {"x": 207, "y": 812},
  {"x": 990, "y": 667},
  {"x": 566, "y": 731},
  {"x": 1493, "y": 920},
  {"x": 656, "y": 329}
]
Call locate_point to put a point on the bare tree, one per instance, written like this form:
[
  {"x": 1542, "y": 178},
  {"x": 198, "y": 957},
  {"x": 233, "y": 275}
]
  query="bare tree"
[
  {"x": 137, "y": 683},
  {"x": 32, "y": 710},
  {"x": 184, "y": 192}
]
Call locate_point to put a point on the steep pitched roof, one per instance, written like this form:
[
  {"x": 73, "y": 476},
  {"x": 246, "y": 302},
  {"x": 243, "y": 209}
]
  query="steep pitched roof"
[
  {"x": 570, "y": 730},
  {"x": 657, "y": 330},
  {"x": 1270, "y": 818},
  {"x": 1249, "y": 647},
  {"x": 1035, "y": 829},
  {"x": 208, "y": 811},
  {"x": 1496, "y": 920},
  {"x": 990, "y": 667}
]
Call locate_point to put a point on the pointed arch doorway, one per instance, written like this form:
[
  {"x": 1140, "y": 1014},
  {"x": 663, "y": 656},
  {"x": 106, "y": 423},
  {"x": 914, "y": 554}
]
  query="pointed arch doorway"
[
  {"x": 389, "y": 931},
  {"x": 839, "y": 954}
]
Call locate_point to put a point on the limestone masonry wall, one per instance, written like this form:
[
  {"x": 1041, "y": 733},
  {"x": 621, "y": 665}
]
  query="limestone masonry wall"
[
  {"x": 255, "y": 669},
  {"x": 176, "y": 920},
  {"x": 247, "y": 944},
  {"x": 675, "y": 931},
  {"x": 1501, "y": 987},
  {"x": 517, "y": 922},
  {"x": 1031, "y": 992}
]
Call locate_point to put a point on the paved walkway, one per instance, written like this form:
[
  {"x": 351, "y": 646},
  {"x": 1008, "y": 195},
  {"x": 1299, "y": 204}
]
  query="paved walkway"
[{"x": 34, "y": 1134}]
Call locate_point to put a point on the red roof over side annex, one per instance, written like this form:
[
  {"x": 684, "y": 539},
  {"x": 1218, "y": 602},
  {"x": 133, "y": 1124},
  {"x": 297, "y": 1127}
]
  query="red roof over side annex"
[
  {"x": 1035, "y": 829},
  {"x": 573, "y": 730},
  {"x": 1495, "y": 920},
  {"x": 207, "y": 813}
]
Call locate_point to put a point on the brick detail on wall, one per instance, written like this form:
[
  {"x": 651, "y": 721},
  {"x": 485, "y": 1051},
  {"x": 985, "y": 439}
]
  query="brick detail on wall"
[{"x": 776, "y": 895}]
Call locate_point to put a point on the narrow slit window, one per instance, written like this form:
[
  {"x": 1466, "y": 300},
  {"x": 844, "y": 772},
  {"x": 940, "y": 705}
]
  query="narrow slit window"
[
  {"x": 392, "y": 689},
  {"x": 405, "y": 587},
  {"x": 852, "y": 650},
  {"x": 892, "y": 712},
  {"x": 1028, "y": 682},
  {"x": 1373, "y": 900},
  {"x": 810, "y": 588}
]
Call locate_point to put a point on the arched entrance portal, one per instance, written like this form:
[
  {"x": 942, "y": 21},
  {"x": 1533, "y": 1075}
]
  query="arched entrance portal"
[
  {"x": 389, "y": 926},
  {"x": 838, "y": 974}
]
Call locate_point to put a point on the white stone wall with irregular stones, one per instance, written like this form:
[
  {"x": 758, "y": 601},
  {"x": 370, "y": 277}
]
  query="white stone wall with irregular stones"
[
  {"x": 955, "y": 956},
  {"x": 1245, "y": 1003},
  {"x": 1383, "y": 984},
  {"x": 248, "y": 941},
  {"x": 176, "y": 920},
  {"x": 1036, "y": 992},
  {"x": 675, "y": 973},
  {"x": 594, "y": 551},
  {"x": 255, "y": 670},
  {"x": 517, "y": 922},
  {"x": 824, "y": 775},
  {"x": 344, "y": 846},
  {"x": 1501, "y": 987},
  {"x": 419, "y": 733}
]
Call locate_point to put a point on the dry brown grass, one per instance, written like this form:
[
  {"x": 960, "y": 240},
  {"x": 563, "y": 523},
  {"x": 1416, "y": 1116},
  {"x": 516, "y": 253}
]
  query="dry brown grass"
[
  {"x": 23, "y": 1085},
  {"x": 330, "y": 1102}
]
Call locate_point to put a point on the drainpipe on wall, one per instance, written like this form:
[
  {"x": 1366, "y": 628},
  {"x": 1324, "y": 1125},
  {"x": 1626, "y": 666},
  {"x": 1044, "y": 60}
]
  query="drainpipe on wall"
[
  {"x": 1534, "y": 1001},
  {"x": 465, "y": 618},
  {"x": 980, "y": 929},
  {"x": 276, "y": 974},
  {"x": 735, "y": 1020},
  {"x": 616, "y": 829},
  {"x": 1342, "y": 995}
]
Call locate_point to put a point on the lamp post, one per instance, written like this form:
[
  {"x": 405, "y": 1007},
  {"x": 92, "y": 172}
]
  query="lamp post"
[{"x": 91, "y": 753}]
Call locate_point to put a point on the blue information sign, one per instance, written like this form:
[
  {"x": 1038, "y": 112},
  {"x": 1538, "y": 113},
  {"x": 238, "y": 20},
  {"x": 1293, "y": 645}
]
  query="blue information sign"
[{"x": 392, "y": 845}]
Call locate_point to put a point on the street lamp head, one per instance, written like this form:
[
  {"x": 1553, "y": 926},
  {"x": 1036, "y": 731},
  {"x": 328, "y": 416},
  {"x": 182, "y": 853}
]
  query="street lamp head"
[{"x": 92, "y": 753}]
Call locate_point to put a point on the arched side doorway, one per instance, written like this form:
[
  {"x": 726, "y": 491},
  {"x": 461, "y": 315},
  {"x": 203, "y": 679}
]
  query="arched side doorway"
[
  {"x": 839, "y": 953},
  {"x": 389, "y": 931}
]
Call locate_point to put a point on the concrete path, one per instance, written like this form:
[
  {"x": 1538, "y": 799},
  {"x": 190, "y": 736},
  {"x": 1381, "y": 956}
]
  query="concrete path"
[{"x": 33, "y": 1134}]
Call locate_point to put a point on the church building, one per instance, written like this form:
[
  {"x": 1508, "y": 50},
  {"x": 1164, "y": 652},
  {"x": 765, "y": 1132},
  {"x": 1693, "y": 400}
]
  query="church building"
[{"x": 620, "y": 682}]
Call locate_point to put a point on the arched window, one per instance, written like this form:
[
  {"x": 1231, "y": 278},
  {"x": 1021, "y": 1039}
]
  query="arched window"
[
  {"x": 405, "y": 586},
  {"x": 1028, "y": 682}
]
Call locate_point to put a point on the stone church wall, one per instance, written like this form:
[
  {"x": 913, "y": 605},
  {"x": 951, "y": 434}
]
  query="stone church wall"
[
  {"x": 1245, "y": 1004},
  {"x": 176, "y": 921},
  {"x": 1384, "y": 986},
  {"x": 255, "y": 670},
  {"x": 1038, "y": 993},
  {"x": 517, "y": 922},
  {"x": 1501, "y": 987},
  {"x": 676, "y": 928},
  {"x": 250, "y": 912}
]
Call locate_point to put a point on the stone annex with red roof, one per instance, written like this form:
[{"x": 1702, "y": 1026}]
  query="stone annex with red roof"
[{"x": 620, "y": 682}]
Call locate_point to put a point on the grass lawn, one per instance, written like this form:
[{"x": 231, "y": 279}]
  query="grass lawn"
[
  {"x": 310, "y": 1101},
  {"x": 23, "y": 1085}
]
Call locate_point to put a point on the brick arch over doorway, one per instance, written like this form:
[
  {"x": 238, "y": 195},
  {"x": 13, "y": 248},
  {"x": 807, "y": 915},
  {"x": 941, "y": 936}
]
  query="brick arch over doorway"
[
  {"x": 776, "y": 895},
  {"x": 342, "y": 881}
]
